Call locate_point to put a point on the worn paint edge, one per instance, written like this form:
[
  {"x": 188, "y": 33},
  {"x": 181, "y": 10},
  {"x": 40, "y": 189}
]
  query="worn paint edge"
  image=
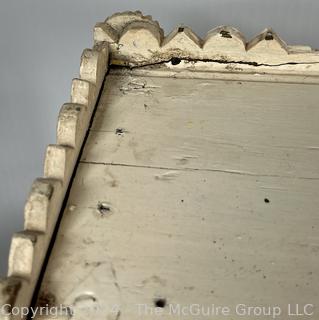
[
  {"x": 132, "y": 40},
  {"x": 137, "y": 40},
  {"x": 180, "y": 73},
  {"x": 29, "y": 247}
]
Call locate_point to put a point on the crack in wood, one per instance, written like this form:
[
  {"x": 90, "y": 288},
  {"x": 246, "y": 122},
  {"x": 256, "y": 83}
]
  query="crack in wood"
[
  {"x": 198, "y": 169},
  {"x": 220, "y": 61}
]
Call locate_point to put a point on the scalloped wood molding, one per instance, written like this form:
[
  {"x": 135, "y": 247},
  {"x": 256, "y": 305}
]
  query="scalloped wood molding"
[
  {"x": 137, "y": 40},
  {"x": 133, "y": 40},
  {"x": 42, "y": 208}
]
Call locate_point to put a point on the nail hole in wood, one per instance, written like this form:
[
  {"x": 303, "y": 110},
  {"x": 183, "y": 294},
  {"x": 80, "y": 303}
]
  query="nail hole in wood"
[
  {"x": 160, "y": 303},
  {"x": 269, "y": 36},
  {"x": 103, "y": 208},
  {"x": 225, "y": 34},
  {"x": 267, "y": 200},
  {"x": 175, "y": 61},
  {"x": 119, "y": 131}
]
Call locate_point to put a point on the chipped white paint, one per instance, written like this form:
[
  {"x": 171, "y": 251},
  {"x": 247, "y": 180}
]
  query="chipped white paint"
[
  {"x": 137, "y": 40},
  {"x": 194, "y": 191},
  {"x": 21, "y": 255},
  {"x": 37, "y": 207},
  {"x": 208, "y": 125},
  {"x": 43, "y": 206},
  {"x": 188, "y": 187}
]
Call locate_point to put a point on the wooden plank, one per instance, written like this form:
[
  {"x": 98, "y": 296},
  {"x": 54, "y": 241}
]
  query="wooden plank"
[
  {"x": 187, "y": 236},
  {"x": 192, "y": 191},
  {"x": 189, "y": 189},
  {"x": 244, "y": 127}
]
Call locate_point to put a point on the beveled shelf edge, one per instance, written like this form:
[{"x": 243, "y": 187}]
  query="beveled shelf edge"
[
  {"x": 29, "y": 247},
  {"x": 137, "y": 40}
]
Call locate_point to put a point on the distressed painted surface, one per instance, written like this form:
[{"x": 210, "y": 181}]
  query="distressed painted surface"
[
  {"x": 209, "y": 125},
  {"x": 43, "y": 206},
  {"x": 137, "y": 40},
  {"x": 195, "y": 126},
  {"x": 193, "y": 191}
]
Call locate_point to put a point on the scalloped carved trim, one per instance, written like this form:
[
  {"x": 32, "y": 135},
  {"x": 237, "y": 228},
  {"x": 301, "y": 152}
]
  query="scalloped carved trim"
[
  {"x": 223, "y": 38},
  {"x": 137, "y": 40},
  {"x": 29, "y": 247},
  {"x": 37, "y": 207},
  {"x": 133, "y": 39},
  {"x": 9, "y": 291},
  {"x": 22, "y": 254}
]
